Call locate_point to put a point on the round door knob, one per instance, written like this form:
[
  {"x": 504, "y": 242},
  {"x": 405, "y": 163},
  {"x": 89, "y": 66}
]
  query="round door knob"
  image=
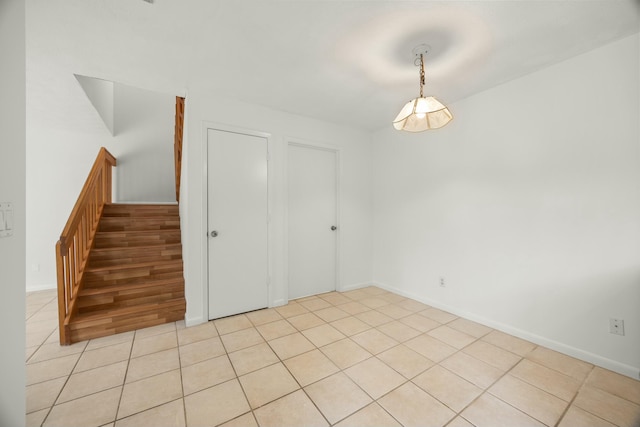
[
  {"x": 214, "y": 233},
  {"x": 334, "y": 228}
]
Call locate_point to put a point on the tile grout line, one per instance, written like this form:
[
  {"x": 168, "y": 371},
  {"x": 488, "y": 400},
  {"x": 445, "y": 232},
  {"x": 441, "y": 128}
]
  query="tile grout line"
[
  {"x": 124, "y": 380},
  {"x": 151, "y": 376},
  {"x": 524, "y": 357},
  {"x": 41, "y": 307},
  {"x": 301, "y": 388},
  {"x": 569, "y": 403},
  {"x": 405, "y": 381},
  {"x": 486, "y": 390},
  {"x": 340, "y": 370},
  {"x": 48, "y": 336},
  {"x": 457, "y": 413},
  {"x": 582, "y": 386},
  {"x": 184, "y": 402},
  {"x": 301, "y": 331},
  {"x": 343, "y": 370},
  {"x": 62, "y": 388},
  {"x": 237, "y": 378}
]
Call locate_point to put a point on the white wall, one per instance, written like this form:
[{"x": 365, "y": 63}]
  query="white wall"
[
  {"x": 12, "y": 189},
  {"x": 528, "y": 204},
  {"x": 355, "y": 197},
  {"x": 64, "y": 136},
  {"x": 143, "y": 145}
]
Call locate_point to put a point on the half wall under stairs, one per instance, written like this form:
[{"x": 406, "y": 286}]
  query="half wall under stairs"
[{"x": 134, "y": 275}]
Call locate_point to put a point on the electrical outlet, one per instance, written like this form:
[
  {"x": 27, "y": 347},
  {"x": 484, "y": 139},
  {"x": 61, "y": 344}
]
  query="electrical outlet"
[
  {"x": 616, "y": 326},
  {"x": 442, "y": 283}
]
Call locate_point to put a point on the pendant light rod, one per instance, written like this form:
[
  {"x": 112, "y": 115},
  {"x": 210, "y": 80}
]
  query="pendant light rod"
[
  {"x": 421, "y": 75},
  {"x": 419, "y": 52}
]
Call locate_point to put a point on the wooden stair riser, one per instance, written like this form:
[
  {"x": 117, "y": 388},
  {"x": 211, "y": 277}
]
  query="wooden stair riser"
[
  {"x": 100, "y": 254},
  {"x": 138, "y": 224},
  {"x": 105, "y": 326},
  {"x": 146, "y": 321},
  {"x": 124, "y": 256},
  {"x": 88, "y": 319},
  {"x": 92, "y": 305},
  {"x": 114, "y": 289},
  {"x": 124, "y": 261},
  {"x": 139, "y": 211},
  {"x": 141, "y": 322},
  {"x": 125, "y": 239},
  {"x": 126, "y": 296},
  {"x": 97, "y": 279}
]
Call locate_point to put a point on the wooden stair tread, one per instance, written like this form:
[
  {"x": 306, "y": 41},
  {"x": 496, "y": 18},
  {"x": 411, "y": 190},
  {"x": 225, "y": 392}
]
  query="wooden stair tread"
[
  {"x": 130, "y": 239},
  {"x": 140, "y": 205},
  {"x": 123, "y": 211},
  {"x": 102, "y": 258},
  {"x": 132, "y": 266},
  {"x": 139, "y": 224},
  {"x": 138, "y": 248},
  {"x": 139, "y": 232},
  {"x": 116, "y": 219},
  {"x": 149, "y": 221},
  {"x": 130, "y": 254},
  {"x": 136, "y": 233},
  {"x": 132, "y": 276}
]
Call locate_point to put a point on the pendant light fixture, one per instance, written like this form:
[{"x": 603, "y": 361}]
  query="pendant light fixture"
[{"x": 422, "y": 113}]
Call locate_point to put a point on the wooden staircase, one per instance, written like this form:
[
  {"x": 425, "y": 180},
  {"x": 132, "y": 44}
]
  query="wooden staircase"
[{"x": 134, "y": 275}]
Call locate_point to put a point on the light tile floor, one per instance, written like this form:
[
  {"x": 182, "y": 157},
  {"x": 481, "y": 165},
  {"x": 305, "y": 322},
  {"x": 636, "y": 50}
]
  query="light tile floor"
[{"x": 361, "y": 358}]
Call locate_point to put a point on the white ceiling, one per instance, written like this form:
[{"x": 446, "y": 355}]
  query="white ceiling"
[{"x": 342, "y": 61}]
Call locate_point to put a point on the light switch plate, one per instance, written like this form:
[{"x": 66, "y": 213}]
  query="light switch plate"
[{"x": 6, "y": 219}]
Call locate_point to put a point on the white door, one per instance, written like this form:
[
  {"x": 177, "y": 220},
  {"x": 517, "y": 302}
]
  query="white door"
[
  {"x": 312, "y": 216},
  {"x": 237, "y": 223}
]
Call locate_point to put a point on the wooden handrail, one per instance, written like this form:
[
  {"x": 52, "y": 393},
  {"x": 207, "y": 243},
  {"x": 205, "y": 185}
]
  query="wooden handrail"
[
  {"x": 177, "y": 145},
  {"x": 76, "y": 240}
]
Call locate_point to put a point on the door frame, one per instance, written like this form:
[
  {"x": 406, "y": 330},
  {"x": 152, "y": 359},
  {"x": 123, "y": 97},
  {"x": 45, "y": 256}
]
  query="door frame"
[
  {"x": 206, "y": 126},
  {"x": 289, "y": 141}
]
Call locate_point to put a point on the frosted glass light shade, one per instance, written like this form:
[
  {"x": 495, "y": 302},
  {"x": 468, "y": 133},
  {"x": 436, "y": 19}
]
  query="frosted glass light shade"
[{"x": 421, "y": 114}]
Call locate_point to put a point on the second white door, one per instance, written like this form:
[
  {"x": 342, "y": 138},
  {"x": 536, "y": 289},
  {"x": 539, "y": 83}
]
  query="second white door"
[{"x": 312, "y": 220}]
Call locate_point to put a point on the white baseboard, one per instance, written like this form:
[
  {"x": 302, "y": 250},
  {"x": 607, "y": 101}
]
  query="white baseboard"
[
  {"x": 278, "y": 303},
  {"x": 194, "y": 321},
  {"x": 603, "y": 362},
  {"x": 42, "y": 287},
  {"x": 353, "y": 286}
]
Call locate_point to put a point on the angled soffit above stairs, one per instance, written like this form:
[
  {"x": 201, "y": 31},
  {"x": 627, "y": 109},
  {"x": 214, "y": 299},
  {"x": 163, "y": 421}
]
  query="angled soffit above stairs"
[{"x": 101, "y": 93}]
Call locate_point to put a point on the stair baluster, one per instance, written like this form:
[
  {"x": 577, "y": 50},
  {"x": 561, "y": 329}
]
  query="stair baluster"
[{"x": 76, "y": 240}]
